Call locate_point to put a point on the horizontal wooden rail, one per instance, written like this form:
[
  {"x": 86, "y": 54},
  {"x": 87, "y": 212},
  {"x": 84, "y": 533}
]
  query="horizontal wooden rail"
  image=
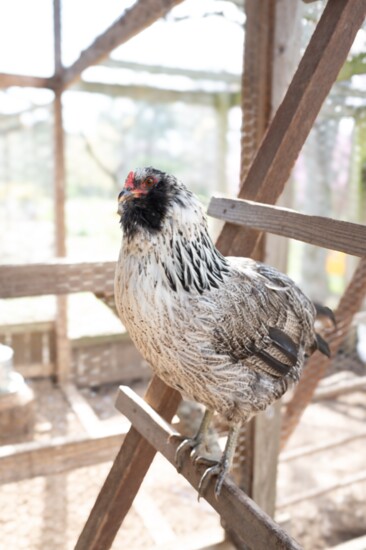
[
  {"x": 60, "y": 454},
  {"x": 60, "y": 276},
  {"x": 307, "y": 450},
  {"x": 326, "y": 232},
  {"x": 359, "y": 477},
  {"x": 238, "y": 511},
  {"x": 7, "y": 79}
]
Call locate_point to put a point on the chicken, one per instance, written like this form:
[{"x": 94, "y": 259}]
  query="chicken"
[{"x": 229, "y": 333}]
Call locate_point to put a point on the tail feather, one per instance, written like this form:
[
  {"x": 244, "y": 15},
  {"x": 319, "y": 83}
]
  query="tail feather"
[
  {"x": 324, "y": 311},
  {"x": 322, "y": 345}
]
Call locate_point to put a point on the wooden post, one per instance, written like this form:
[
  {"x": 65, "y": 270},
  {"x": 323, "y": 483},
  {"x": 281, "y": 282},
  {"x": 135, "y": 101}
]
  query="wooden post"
[
  {"x": 263, "y": 431},
  {"x": 62, "y": 341}
]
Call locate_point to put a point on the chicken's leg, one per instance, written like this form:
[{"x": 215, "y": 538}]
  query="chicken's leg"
[
  {"x": 220, "y": 468},
  {"x": 192, "y": 443}
]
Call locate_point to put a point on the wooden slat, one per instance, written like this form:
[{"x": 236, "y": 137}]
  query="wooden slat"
[
  {"x": 317, "y": 71},
  {"x": 325, "y": 232},
  {"x": 36, "y": 370},
  {"x": 320, "y": 491},
  {"x": 58, "y": 276},
  {"x": 306, "y": 450},
  {"x": 194, "y": 74},
  {"x": 126, "y": 475},
  {"x": 140, "y": 16},
  {"x": 60, "y": 454},
  {"x": 238, "y": 511},
  {"x": 153, "y": 95},
  {"x": 83, "y": 411},
  {"x": 7, "y": 80},
  {"x": 336, "y": 390}
]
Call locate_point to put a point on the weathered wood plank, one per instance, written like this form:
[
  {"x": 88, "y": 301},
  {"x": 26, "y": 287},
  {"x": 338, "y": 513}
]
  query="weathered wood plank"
[
  {"x": 238, "y": 511},
  {"x": 325, "y": 232},
  {"x": 153, "y": 95},
  {"x": 319, "y": 491},
  {"x": 140, "y": 16},
  {"x": 59, "y": 276},
  {"x": 307, "y": 450},
  {"x": 83, "y": 411},
  {"x": 60, "y": 454},
  {"x": 317, "y": 71},
  {"x": 36, "y": 370},
  {"x": 348, "y": 386},
  {"x": 7, "y": 80}
]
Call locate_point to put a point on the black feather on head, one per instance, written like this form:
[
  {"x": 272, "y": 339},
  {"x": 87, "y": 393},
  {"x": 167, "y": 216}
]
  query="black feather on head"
[{"x": 144, "y": 201}]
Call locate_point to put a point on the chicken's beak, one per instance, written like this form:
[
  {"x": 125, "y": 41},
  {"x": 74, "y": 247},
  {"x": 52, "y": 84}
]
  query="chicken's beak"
[{"x": 124, "y": 196}]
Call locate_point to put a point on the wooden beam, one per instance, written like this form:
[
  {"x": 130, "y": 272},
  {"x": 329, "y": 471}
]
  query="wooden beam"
[
  {"x": 215, "y": 76},
  {"x": 140, "y": 16},
  {"x": 63, "y": 352},
  {"x": 325, "y": 232},
  {"x": 360, "y": 477},
  {"x": 126, "y": 475},
  {"x": 83, "y": 411},
  {"x": 151, "y": 94},
  {"x": 59, "y": 276},
  {"x": 307, "y": 450},
  {"x": 7, "y": 80},
  {"x": 348, "y": 386},
  {"x": 256, "y": 78},
  {"x": 57, "y": 36},
  {"x": 60, "y": 454},
  {"x": 252, "y": 525},
  {"x": 327, "y": 51}
]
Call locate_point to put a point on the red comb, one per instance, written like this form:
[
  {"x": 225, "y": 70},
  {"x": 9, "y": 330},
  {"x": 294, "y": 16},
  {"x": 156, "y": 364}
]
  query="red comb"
[{"x": 129, "y": 180}]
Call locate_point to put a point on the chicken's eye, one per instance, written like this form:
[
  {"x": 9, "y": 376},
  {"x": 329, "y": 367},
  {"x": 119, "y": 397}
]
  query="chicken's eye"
[{"x": 149, "y": 181}]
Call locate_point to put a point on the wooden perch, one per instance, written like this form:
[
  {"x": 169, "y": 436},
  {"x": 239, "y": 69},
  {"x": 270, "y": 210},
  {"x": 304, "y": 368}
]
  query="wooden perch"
[
  {"x": 238, "y": 511},
  {"x": 140, "y": 16},
  {"x": 326, "y": 232}
]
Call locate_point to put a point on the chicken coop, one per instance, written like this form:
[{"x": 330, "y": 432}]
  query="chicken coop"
[{"x": 260, "y": 108}]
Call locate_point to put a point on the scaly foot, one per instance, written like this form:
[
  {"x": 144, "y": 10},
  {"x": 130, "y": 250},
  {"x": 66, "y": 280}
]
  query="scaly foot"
[
  {"x": 187, "y": 444},
  {"x": 216, "y": 468}
]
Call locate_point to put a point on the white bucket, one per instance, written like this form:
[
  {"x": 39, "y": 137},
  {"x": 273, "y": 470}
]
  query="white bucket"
[{"x": 6, "y": 367}]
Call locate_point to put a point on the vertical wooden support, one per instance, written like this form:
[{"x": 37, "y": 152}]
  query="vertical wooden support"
[
  {"x": 222, "y": 111},
  {"x": 62, "y": 342},
  {"x": 263, "y": 431},
  {"x": 267, "y": 425}
]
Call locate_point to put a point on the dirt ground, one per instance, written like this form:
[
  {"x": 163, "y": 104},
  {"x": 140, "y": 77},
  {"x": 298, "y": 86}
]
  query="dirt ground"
[{"x": 49, "y": 512}]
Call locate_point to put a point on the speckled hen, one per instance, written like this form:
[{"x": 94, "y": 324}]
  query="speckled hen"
[{"x": 230, "y": 333}]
